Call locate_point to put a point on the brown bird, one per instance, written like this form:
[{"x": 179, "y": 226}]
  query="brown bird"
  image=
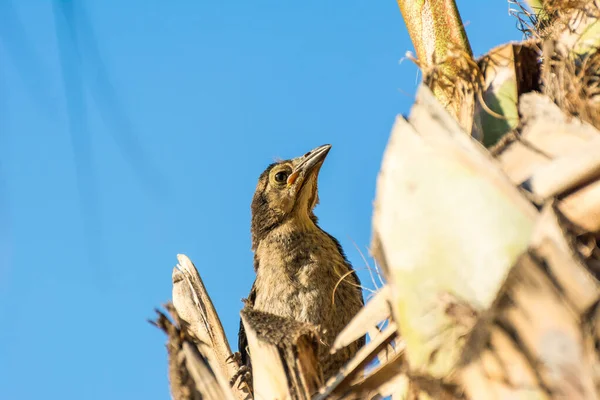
[{"x": 301, "y": 271}]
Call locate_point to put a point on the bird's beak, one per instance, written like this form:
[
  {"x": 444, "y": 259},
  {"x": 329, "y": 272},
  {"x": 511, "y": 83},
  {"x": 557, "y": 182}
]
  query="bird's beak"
[{"x": 309, "y": 161}]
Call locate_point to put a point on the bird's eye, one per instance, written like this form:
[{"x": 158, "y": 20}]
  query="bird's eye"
[{"x": 281, "y": 176}]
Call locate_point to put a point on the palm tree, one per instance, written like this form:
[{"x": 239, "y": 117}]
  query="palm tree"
[{"x": 485, "y": 224}]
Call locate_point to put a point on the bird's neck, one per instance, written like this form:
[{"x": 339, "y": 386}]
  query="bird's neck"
[
  {"x": 291, "y": 240},
  {"x": 291, "y": 230}
]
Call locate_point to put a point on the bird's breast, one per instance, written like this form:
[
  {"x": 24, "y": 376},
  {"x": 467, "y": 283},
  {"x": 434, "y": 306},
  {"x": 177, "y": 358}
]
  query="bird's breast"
[
  {"x": 297, "y": 277},
  {"x": 300, "y": 295}
]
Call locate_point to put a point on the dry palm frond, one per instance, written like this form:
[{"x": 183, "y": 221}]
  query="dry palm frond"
[
  {"x": 573, "y": 82},
  {"x": 191, "y": 375}
]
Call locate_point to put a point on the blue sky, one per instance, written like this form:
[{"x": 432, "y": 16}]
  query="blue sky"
[{"x": 131, "y": 131}]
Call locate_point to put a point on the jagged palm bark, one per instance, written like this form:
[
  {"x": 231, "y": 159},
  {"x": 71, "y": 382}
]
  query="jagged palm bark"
[{"x": 492, "y": 297}]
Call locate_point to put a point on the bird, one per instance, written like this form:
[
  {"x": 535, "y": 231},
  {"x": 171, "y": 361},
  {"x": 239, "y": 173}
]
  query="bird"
[{"x": 302, "y": 271}]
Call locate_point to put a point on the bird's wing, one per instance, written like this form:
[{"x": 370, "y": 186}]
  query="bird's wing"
[
  {"x": 362, "y": 340},
  {"x": 242, "y": 339},
  {"x": 354, "y": 275}
]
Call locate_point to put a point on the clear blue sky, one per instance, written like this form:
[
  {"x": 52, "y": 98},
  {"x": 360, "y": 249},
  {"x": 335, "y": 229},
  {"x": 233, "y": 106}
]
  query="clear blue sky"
[{"x": 131, "y": 131}]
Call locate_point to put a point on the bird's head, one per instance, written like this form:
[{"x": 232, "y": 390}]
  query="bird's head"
[{"x": 287, "y": 190}]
